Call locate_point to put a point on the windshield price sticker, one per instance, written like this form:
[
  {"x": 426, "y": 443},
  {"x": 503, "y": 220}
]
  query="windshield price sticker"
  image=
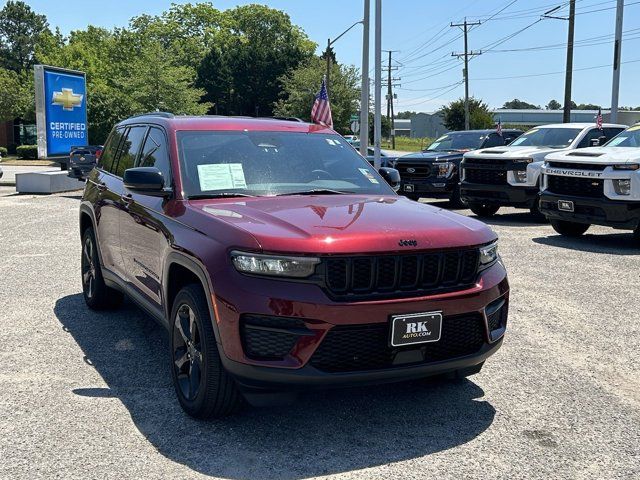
[
  {"x": 369, "y": 175},
  {"x": 221, "y": 176}
]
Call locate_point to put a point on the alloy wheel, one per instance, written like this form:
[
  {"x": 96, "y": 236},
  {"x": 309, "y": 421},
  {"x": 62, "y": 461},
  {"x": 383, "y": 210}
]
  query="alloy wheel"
[
  {"x": 187, "y": 352},
  {"x": 88, "y": 268}
]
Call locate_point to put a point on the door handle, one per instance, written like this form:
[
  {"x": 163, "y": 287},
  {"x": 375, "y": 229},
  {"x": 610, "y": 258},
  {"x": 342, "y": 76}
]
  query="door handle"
[
  {"x": 126, "y": 199},
  {"x": 102, "y": 187}
]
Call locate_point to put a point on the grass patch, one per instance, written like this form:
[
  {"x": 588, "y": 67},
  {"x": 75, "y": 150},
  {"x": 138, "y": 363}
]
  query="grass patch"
[{"x": 408, "y": 144}]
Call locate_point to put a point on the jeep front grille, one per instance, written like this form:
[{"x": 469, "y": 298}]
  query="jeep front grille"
[{"x": 354, "y": 278}]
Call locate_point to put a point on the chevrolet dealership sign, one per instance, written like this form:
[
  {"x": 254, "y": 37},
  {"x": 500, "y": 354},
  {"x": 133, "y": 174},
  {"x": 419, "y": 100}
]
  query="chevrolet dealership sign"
[{"x": 61, "y": 110}]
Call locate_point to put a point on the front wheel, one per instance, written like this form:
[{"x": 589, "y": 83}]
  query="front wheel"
[
  {"x": 483, "y": 210},
  {"x": 535, "y": 211},
  {"x": 203, "y": 386},
  {"x": 569, "y": 229}
]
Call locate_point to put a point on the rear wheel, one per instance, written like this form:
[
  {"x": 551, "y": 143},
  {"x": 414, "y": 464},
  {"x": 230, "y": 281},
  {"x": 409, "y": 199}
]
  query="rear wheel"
[
  {"x": 96, "y": 294},
  {"x": 484, "y": 210},
  {"x": 203, "y": 386},
  {"x": 569, "y": 229}
]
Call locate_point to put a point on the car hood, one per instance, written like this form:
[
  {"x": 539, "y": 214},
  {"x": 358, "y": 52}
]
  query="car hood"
[
  {"x": 537, "y": 153},
  {"x": 430, "y": 156},
  {"x": 598, "y": 155},
  {"x": 343, "y": 224}
]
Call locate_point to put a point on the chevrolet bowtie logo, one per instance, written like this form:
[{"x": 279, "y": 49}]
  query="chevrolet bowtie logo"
[{"x": 67, "y": 99}]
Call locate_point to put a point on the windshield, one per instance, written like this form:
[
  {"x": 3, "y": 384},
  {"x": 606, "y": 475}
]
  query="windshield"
[
  {"x": 547, "y": 137},
  {"x": 273, "y": 163},
  {"x": 457, "y": 141},
  {"x": 629, "y": 138}
]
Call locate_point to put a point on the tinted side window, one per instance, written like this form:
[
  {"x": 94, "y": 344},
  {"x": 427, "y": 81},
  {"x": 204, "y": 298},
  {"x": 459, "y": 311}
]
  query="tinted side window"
[
  {"x": 612, "y": 132},
  {"x": 129, "y": 149},
  {"x": 493, "y": 140},
  {"x": 155, "y": 154},
  {"x": 110, "y": 149},
  {"x": 594, "y": 133},
  {"x": 510, "y": 137}
]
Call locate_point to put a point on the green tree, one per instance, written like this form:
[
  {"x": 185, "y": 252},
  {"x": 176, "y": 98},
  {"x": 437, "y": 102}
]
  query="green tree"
[
  {"x": 520, "y": 105},
  {"x": 479, "y": 115},
  {"x": 405, "y": 115},
  {"x": 16, "y": 99},
  {"x": 256, "y": 46},
  {"x": 553, "y": 105},
  {"x": 302, "y": 84},
  {"x": 20, "y": 32}
]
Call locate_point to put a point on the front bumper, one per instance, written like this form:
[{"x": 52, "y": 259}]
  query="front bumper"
[
  {"x": 431, "y": 186},
  {"x": 241, "y": 295},
  {"x": 596, "y": 211},
  {"x": 503, "y": 195}
]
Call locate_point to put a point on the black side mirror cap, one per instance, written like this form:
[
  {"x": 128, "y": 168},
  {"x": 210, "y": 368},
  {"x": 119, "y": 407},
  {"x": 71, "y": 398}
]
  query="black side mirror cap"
[
  {"x": 391, "y": 176},
  {"x": 145, "y": 180}
]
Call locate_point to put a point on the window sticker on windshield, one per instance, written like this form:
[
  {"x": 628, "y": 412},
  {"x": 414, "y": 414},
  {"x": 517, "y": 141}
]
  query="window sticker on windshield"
[
  {"x": 331, "y": 141},
  {"x": 221, "y": 176},
  {"x": 369, "y": 175}
]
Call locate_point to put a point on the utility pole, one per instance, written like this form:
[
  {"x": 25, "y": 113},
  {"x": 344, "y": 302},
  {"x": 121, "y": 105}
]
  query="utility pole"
[
  {"x": 566, "y": 115},
  {"x": 617, "y": 50},
  {"x": 465, "y": 27},
  {"x": 364, "y": 93},
  {"x": 377, "y": 115},
  {"x": 390, "y": 84}
]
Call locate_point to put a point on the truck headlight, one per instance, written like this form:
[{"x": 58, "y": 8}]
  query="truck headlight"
[
  {"x": 443, "y": 168},
  {"x": 520, "y": 176},
  {"x": 625, "y": 166},
  {"x": 488, "y": 255},
  {"x": 622, "y": 187},
  {"x": 274, "y": 265}
]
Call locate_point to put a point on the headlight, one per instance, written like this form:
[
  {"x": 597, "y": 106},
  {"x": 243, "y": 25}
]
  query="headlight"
[
  {"x": 275, "y": 265},
  {"x": 622, "y": 187},
  {"x": 488, "y": 255},
  {"x": 443, "y": 169},
  {"x": 520, "y": 176},
  {"x": 624, "y": 166}
]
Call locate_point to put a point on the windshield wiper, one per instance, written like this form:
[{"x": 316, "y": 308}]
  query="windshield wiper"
[
  {"x": 315, "y": 191},
  {"x": 219, "y": 195}
]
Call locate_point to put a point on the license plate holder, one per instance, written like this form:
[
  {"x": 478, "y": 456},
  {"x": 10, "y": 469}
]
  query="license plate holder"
[
  {"x": 408, "y": 187},
  {"x": 565, "y": 205},
  {"x": 415, "y": 328}
]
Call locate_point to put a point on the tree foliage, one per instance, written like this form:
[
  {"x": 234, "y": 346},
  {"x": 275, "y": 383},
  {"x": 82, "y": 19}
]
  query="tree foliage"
[
  {"x": 20, "y": 31},
  {"x": 302, "y": 84},
  {"x": 520, "y": 105},
  {"x": 479, "y": 115},
  {"x": 16, "y": 99},
  {"x": 553, "y": 105}
]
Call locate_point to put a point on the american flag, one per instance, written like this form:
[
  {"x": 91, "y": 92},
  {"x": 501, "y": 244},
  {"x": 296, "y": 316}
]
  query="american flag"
[
  {"x": 499, "y": 127},
  {"x": 321, "y": 111},
  {"x": 599, "y": 119}
]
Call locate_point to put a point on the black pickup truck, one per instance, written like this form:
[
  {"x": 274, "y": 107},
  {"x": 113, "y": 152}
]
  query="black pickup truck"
[{"x": 434, "y": 172}]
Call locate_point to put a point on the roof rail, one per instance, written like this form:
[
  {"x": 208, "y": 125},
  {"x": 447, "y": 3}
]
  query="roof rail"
[{"x": 154, "y": 114}]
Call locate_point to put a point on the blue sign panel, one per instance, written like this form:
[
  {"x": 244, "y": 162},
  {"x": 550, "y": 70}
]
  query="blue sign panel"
[{"x": 65, "y": 106}]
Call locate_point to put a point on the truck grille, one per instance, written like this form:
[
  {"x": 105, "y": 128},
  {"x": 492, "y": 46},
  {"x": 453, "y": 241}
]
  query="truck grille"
[
  {"x": 414, "y": 170},
  {"x": 485, "y": 177},
  {"x": 350, "y": 278},
  {"x": 575, "y": 186},
  {"x": 348, "y": 348}
]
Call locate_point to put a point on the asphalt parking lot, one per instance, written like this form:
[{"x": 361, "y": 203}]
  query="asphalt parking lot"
[{"x": 88, "y": 395}]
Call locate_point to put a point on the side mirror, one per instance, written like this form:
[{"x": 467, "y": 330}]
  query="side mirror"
[
  {"x": 594, "y": 142},
  {"x": 391, "y": 176},
  {"x": 145, "y": 180}
]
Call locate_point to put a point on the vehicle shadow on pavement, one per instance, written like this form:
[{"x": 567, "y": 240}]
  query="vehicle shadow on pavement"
[
  {"x": 323, "y": 433},
  {"x": 617, "y": 243}
]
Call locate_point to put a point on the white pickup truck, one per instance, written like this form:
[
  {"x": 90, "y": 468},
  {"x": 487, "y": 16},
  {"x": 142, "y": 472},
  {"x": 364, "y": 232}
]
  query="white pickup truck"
[
  {"x": 510, "y": 176},
  {"x": 599, "y": 185}
]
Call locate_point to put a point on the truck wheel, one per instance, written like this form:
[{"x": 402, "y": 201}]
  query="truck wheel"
[
  {"x": 535, "y": 211},
  {"x": 483, "y": 210},
  {"x": 96, "y": 294},
  {"x": 569, "y": 229},
  {"x": 203, "y": 386},
  {"x": 454, "y": 200},
  {"x": 636, "y": 234}
]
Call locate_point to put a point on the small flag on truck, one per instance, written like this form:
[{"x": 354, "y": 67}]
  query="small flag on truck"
[{"x": 321, "y": 111}]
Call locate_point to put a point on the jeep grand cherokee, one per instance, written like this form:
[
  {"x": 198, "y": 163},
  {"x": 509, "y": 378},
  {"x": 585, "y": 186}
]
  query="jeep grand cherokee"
[{"x": 279, "y": 259}]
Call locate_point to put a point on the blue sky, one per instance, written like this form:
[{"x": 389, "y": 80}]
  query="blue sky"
[{"x": 419, "y": 30}]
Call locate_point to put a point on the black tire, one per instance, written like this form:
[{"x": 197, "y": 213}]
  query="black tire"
[
  {"x": 483, "y": 210},
  {"x": 535, "y": 211},
  {"x": 96, "y": 294},
  {"x": 203, "y": 387},
  {"x": 454, "y": 200},
  {"x": 569, "y": 229},
  {"x": 636, "y": 234}
]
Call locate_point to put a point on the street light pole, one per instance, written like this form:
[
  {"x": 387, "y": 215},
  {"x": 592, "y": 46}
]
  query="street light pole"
[
  {"x": 617, "y": 48},
  {"x": 377, "y": 121},
  {"x": 328, "y": 51},
  {"x": 364, "y": 89}
]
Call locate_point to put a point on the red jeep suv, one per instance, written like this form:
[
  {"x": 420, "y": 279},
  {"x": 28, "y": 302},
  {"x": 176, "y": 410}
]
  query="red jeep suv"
[{"x": 279, "y": 259}]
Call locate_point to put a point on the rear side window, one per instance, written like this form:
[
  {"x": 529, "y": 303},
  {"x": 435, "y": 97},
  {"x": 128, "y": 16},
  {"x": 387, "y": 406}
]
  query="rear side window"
[
  {"x": 129, "y": 149},
  {"x": 155, "y": 154},
  {"x": 493, "y": 140},
  {"x": 110, "y": 149}
]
